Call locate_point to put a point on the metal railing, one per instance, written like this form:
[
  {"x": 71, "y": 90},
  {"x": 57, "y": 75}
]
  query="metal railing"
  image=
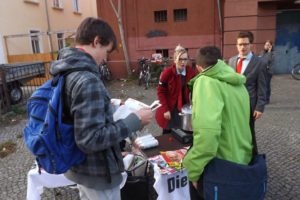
[{"x": 19, "y": 80}]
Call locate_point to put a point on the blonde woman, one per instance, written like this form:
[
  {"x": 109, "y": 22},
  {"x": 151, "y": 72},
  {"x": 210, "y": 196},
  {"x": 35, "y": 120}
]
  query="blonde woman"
[{"x": 172, "y": 90}]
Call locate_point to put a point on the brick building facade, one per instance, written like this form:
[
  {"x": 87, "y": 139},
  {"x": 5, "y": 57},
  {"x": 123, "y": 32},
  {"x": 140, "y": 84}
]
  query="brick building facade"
[{"x": 158, "y": 26}]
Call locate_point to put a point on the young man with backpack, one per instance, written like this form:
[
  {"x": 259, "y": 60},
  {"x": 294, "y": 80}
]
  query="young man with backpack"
[{"x": 87, "y": 104}]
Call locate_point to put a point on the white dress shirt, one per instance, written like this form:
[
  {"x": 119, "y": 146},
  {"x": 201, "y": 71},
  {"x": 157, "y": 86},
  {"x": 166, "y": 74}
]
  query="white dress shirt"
[{"x": 245, "y": 62}]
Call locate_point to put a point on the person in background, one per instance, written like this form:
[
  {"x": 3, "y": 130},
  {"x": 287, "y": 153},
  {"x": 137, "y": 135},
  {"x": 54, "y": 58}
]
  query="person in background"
[
  {"x": 172, "y": 90},
  {"x": 88, "y": 104},
  {"x": 267, "y": 54},
  {"x": 254, "y": 68},
  {"x": 220, "y": 119}
]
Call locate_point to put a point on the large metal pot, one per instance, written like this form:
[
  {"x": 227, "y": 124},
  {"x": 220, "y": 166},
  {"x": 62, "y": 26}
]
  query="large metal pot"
[{"x": 186, "y": 117}]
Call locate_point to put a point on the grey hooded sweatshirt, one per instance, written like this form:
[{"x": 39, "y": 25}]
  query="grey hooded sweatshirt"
[{"x": 88, "y": 103}]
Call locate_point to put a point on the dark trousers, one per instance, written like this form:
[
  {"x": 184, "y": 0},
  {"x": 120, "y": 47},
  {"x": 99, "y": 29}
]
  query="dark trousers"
[
  {"x": 252, "y": 128},
  {"x": 197, "y": 194},
  {"x": 268, "y": 85}
]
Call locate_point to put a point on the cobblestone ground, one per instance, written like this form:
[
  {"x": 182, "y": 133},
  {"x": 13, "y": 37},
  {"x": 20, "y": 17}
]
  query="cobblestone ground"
[{"x": 277, "y": 133}]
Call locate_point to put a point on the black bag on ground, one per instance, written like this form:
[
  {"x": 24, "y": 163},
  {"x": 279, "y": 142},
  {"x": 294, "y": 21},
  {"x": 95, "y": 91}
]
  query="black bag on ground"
[
  {"x": 136, "y": 187},
  {"x": 139, "y": 183}
]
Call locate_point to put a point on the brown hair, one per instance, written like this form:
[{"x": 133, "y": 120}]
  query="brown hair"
[
  {"x": 93, "y": 27},
  {"x": 270, "y": 41},
  {"x": 246, "y": 34}
]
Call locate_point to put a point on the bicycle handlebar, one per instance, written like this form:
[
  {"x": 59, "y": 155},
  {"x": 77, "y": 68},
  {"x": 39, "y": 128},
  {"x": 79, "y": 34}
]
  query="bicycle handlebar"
[{"x": 143, "y": 59}]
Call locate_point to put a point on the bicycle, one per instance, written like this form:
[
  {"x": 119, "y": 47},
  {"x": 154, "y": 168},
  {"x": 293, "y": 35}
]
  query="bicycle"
[
  {"x": 144, "y": 74},
  {"x": 105, "y": 73},
  {"x": 296, "y": 72}
]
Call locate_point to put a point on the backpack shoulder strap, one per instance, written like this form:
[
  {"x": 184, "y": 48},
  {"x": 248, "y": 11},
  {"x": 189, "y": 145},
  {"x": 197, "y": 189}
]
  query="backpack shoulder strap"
[
  {"x": 65, "y": 73},
  {"x": 66, "y": 117}
]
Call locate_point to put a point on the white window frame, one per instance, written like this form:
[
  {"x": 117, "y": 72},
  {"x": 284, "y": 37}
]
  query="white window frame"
[
  {"x": 2, "y": 53},
  {"x": 32, "y": 1},
  {"x": 60, "y": 40},
  {"x": 76, "y": 6},
  {"x": 57, "y": 3},
  {"x": 36, "y": 47}
]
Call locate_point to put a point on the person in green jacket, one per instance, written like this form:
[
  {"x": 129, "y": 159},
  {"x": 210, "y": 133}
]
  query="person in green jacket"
[{"x": 220, "y": 115}]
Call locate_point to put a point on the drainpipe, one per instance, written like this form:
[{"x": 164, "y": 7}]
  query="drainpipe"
[
  {"x": 49, "y": 30},
  {"x": 220, "y": 22}
]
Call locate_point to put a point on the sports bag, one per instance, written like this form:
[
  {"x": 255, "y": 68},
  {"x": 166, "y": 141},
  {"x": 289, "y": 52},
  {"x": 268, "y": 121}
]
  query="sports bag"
[
  {"x": 225, "y": 180},
  {"x": 45, "y": 134}
]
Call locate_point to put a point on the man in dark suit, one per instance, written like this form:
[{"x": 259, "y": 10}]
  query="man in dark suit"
[{"x": 254, "y": 69}]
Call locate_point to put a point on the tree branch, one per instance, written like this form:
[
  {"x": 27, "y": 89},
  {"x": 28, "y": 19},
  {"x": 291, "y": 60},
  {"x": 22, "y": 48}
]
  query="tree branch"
[{"x": 114, "y": 8}]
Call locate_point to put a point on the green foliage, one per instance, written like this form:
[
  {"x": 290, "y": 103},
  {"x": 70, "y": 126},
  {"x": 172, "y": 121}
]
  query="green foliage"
[
  {"x": 16, "y": 114},
  {"x": 19, "y": 109}
]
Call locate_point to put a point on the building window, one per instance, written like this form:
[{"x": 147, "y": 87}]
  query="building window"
[
  {"x": 160, "y": 16},
  {"x": 180, "y": 15},
  {"x": 76, "y": 6},
  {"x": 57, "y": 4},
  {"x": 163, "y": 52},
  {"x": 35, "y": 42},
  {"x": 60, "y": 40}
]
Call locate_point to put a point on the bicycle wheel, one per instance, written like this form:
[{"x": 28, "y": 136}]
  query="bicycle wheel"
[
  {"x": 141, "y": 78},
  {"x": 296, "y": 72},
  {"x": 107, "y": 74},
  {"x": 147, "y": 80}
]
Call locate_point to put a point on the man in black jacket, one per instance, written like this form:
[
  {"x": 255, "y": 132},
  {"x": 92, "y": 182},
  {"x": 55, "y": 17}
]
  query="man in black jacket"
[{"x": 254, "y": 69}]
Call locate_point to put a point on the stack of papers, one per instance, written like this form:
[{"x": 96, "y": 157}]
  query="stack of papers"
[
  {"x": 136, "y": 105},
  {"x": 132, "y": 105},
  {"x": 164, "y": 168},
  {"x": 169, "y": 162},
  {"x": 174, "y": 158},
  {"x": 147, "y": 141}
]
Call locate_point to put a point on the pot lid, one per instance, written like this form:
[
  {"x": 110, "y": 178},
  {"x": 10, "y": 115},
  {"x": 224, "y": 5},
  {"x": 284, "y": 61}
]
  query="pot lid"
[{"x": 187, "y": 109}]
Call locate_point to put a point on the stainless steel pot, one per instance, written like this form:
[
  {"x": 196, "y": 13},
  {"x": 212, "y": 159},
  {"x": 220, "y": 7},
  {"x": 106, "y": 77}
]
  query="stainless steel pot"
[{"x": 186, "y": 117}]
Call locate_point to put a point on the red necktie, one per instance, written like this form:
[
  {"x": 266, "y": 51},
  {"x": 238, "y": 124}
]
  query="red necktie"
[{"x": 239, "y": 65}]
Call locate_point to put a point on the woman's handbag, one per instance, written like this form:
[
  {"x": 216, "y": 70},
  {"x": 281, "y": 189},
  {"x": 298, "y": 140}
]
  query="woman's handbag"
[{"x": 225, "y": 180}]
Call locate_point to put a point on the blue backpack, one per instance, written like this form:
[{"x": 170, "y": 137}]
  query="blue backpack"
[{"x": 46, "y": 135}]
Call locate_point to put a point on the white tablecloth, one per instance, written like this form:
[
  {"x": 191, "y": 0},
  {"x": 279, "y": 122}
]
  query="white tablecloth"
[
  {"x": 171, "y": 186},
  {"x": 36, "y": 182}
]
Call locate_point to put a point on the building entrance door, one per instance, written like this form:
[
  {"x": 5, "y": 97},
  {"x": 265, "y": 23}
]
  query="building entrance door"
[{"x": 287, "y": 43}]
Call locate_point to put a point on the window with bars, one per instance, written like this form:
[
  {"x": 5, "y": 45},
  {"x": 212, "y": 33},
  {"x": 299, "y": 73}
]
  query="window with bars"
[
  {"x": 180, "y": 15},
  {"x": 76, "y": 6},
  {"x": 160, "y": 16},
  {"x": 35, "y": 42},
  {"x": 60, "y": 40}
]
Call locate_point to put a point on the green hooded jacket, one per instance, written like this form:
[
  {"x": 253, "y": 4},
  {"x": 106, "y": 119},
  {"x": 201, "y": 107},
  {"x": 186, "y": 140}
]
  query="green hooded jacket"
[{"x": 220, "y": 119}]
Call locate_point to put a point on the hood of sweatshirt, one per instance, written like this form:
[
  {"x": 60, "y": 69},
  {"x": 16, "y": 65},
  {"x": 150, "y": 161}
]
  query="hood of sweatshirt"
[
  {"x": 222, "y": 72},
  {"x": 73, "y": 59}
]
